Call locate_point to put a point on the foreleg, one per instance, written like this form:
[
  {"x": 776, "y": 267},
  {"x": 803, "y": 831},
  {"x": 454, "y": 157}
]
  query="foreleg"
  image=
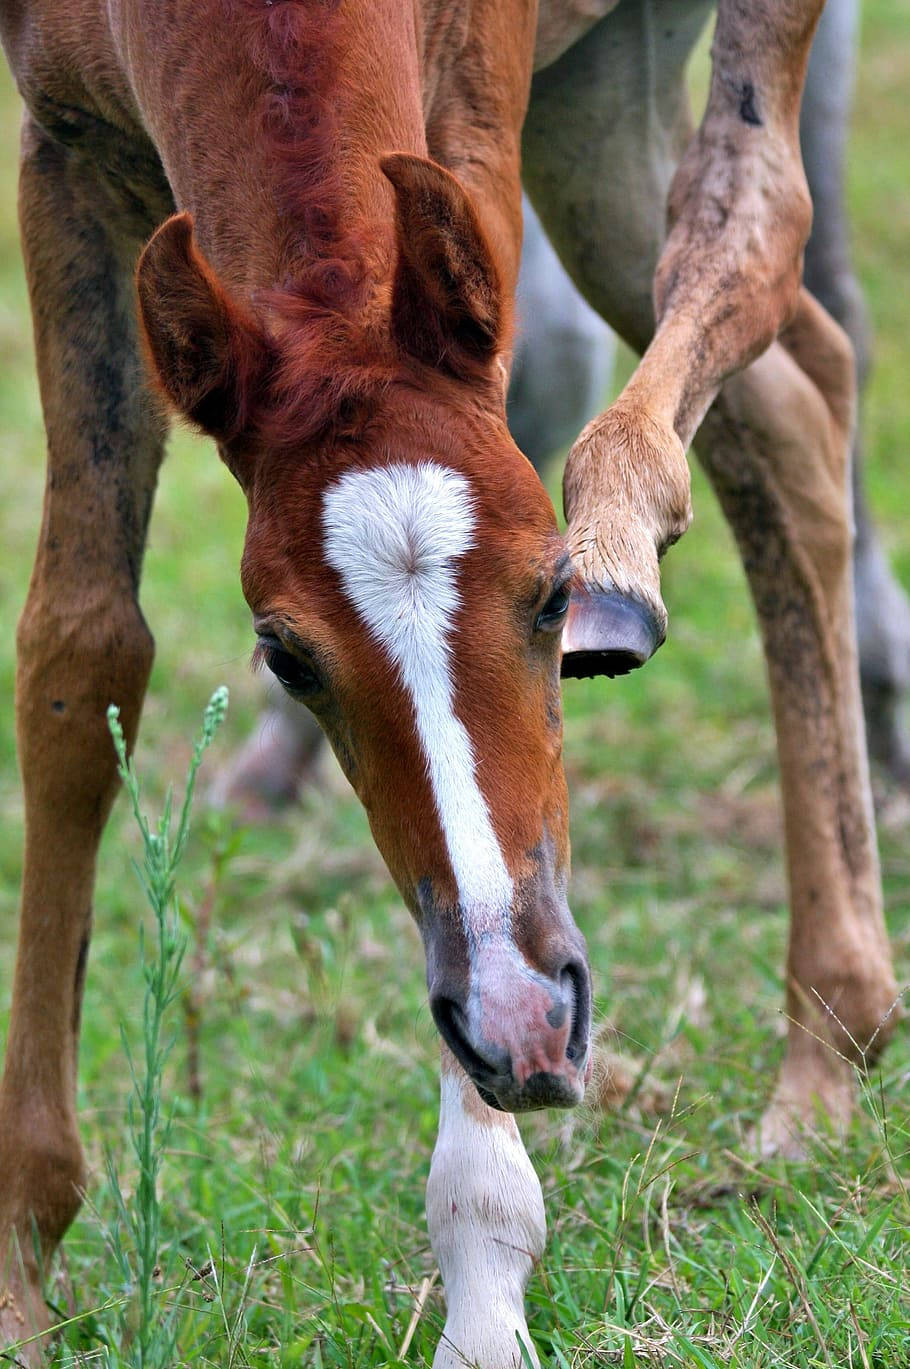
[
  {"x": 726, "y": 277},
  {"x": 487, "y": 1226},
  {"x": 82, "y": 644}
]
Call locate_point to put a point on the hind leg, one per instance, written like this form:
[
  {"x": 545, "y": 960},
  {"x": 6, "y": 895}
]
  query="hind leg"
[
  {"x": 776, "y": 448},
  {"x": 883, "y": 611},
  {"x": 82, "y": 644},
  {"x": 609, "y": 122}
]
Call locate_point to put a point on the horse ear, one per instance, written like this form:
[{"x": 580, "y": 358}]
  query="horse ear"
[
  {"x": 447, "y": 303},
  {"x": 209, "y": 356}
]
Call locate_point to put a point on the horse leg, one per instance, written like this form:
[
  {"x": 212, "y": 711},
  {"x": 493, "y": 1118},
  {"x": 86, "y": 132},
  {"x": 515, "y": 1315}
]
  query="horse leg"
[
  {"x": 624, "y": 85},
  {"x": 606, "y": 126},
  {"x": 563, "y": 356},
  {"x": 776, "y": 448},
  {"x": 883, "y": 611},
  {"x": 487, "y": 1227},
  {"x": 726, "y": 278},
  {"x": 273, "y": 764},
  {"x": 82, "y": 644}
]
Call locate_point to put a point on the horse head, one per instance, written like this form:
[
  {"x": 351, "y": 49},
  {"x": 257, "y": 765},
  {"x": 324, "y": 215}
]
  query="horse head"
[{"x": 409, "y": 585}]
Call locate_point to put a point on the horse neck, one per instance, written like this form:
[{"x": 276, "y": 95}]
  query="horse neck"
[{"x": 273, "y": 141}]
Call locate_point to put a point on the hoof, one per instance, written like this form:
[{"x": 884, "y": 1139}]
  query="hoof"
[
  {"x": 608, "y": 633},
  {"x": 24, "y": 1321},
  {"x": 813, "y": 1098}
]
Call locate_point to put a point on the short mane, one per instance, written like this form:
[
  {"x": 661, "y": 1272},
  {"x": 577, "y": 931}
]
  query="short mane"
[{"x": 296, "y": 45}]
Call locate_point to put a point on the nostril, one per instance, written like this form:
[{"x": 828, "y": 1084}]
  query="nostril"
[
  {"x": 450, "y": 1020},
  {"x": 567, "y": 984},
  {"x": 556, "y": 1017},
  {"x": 574, "y": 984}
]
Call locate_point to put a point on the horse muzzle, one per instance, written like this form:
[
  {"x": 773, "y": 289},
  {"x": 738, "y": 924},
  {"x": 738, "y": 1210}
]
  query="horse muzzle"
[{"x": 522, "y": 1035}]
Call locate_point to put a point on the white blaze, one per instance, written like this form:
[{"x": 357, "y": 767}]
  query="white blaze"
[{"x": 394, "y": 534}]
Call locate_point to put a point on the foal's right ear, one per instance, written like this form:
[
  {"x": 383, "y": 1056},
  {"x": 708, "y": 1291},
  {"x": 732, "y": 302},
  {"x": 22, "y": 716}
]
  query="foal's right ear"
[
  {"x": 208, "y": 354},
  {"x": 448, "y": 304}
]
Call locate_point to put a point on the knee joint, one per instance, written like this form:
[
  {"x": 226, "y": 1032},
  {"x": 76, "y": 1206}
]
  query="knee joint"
[{"x": 82, "y": 647}]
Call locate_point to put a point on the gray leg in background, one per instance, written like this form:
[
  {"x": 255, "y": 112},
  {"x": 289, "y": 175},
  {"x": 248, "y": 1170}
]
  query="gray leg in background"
[
  {"x": 564, "y": 353},
  {"x": 882, "y": 609}
]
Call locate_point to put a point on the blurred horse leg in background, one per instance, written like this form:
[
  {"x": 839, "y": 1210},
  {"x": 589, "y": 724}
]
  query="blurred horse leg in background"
[
  {"x": 268, "y": 770},
  {"x": 564, "y": 353},
  {"x": 882, "y": 609},
  {"x": 561, "y": 371}
]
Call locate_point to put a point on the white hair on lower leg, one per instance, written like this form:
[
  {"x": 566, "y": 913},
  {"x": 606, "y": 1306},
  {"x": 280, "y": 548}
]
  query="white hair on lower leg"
[{"x": 487, "y": 1226}]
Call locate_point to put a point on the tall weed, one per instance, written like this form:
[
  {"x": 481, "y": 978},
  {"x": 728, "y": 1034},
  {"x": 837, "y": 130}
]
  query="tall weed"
[{"x": 146, "y": 1327}]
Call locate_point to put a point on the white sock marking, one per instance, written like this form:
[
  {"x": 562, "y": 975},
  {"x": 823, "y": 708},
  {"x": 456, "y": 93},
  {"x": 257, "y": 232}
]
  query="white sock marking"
[
  {"x": 487, "y": 1226},
  {"x": 394, "y": 534}
]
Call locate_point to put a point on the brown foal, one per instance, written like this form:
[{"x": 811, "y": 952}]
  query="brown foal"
[{"x": 334, "y": 194}]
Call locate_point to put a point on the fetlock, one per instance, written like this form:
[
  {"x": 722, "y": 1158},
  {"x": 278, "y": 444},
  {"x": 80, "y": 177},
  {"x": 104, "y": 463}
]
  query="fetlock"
[
  {"x": 40, "y": 1191},
  {"x": 627, "y": 498},
  {"x": 856, "y": 1013}
]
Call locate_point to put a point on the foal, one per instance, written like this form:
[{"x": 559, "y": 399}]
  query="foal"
[{"x": 331, "y": 303}]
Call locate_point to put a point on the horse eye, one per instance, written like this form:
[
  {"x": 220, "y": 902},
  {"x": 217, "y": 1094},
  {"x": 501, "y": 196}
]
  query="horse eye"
[
  {"x": 552, "y": 615},
  {"x": 296, "y": 676}
]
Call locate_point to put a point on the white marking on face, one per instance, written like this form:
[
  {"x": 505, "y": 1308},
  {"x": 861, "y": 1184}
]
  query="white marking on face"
[{"x": 395, "y": 534}]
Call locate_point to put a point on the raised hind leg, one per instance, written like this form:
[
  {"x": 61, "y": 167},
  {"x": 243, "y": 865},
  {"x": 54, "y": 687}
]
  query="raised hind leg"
[
  {"x": 882, "y": 607},
  {"x": 776, "y": 448},
  {"x": 82, "y": 644}
]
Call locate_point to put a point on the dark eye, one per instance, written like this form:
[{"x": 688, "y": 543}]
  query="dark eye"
[
  {"x": 297, "y": 677},
  {"x": 553, "y": 614}
]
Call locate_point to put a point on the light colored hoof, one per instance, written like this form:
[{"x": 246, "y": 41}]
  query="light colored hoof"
[
  {"x": 23, "y": 1316},
  {"x": 807, "y": 1103}
]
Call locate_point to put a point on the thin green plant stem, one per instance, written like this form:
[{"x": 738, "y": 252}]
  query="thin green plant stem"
[{"x": 140, "y": 1218}]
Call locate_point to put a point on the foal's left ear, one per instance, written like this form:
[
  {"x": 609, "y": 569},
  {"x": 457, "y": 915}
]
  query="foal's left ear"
[
  {"x": 447, "y": 301},
  {"x": 210, "y": 356}
]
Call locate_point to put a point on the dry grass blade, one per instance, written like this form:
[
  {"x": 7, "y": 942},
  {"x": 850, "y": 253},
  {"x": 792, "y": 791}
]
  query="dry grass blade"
[
  {"x": 423, "y": 1293},
  {"x": 795, "y": 1278}
]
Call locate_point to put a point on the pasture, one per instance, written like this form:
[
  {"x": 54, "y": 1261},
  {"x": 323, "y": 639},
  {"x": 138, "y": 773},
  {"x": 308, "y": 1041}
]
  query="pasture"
[{"x": 303, "y": 1079}]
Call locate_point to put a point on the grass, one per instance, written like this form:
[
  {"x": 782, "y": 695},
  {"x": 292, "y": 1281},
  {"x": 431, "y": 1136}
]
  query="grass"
[{"x": 303, "y": 1084}]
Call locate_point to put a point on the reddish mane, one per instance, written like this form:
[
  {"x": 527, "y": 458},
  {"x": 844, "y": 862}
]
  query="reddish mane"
[
  {"x": 295, "y": 45},
  {"x": 328, "y": 362}
]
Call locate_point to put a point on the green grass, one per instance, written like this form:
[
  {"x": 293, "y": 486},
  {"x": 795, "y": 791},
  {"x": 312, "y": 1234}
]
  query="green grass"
[{"x": 292, "y": 1188}]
